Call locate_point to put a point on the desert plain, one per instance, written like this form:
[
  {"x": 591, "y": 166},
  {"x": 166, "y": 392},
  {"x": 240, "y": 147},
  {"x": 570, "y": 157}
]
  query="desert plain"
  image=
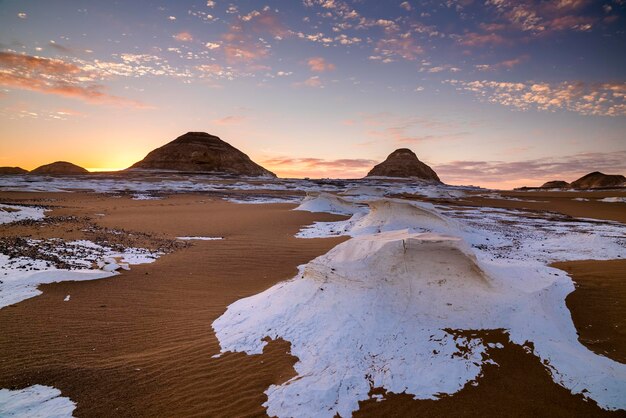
[{"x": 242, "y": 289}]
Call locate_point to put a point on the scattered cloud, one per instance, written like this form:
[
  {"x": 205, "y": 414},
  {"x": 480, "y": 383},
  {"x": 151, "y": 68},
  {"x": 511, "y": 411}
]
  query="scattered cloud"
[
  {"x": 229, "y": 120},
  {"x": 531, "y": 172},
  {"x": 57, "y": 77},
  {"x": 598, "y": 99}
]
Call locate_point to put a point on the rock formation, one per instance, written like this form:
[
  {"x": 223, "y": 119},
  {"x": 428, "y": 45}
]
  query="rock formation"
[
  {"x": 599, "y": 180},
  {"x": 555, "y": 184},
  {"x": 12, "y": 170},
  {"x": 403, "y": 163},
  {"x": 60, "y": 167},
  {"x": 201, "y": 152}
]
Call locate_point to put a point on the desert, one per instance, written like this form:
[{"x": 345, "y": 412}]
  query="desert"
[
  {"x": 190, "y": 294},
  {"x": 313, "y": 208}
]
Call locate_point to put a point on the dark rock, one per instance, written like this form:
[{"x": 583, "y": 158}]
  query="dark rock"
[
  {"x": 60, "y": 167},
  {"x": 597, "y": 180},
  {"x": 555, "y": 184},
  {"x": 201, "y": 152},
  {"x": 403, "y": 163},
  {"x": 12, "y": 170}
]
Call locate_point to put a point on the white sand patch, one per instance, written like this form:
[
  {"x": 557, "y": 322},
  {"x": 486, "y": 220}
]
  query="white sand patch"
[
  {"x": 20, "y": 276},
  {"x": 35, "y": 401},
  {"x": 326, "y": 202},
  {"x": 614, "y": 200},
  {"x": 377, "y": 310},
  {"x": 263, "y": 200},
  {"x": 200, "y": 238},
  {"x": 145, "y": 197},
  {"x": 13, "y": 213}
]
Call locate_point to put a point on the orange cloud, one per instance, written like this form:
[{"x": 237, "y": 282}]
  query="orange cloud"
[
  {"x": 54, "y": 76},
  {"x": 478, "y": 39},
  {"x": 183, "y": 37},
  {"x": 320, "y": 65},
  {"x": 319, "y": 167},
  {"x": 598, "y": 99},
  {"x": 242, "y": 43}
]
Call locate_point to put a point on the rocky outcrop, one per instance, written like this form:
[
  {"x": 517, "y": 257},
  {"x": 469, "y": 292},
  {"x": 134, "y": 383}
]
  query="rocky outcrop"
[
  {"x": 201, "y": 152},
  {"x": 403, "y": 163},
  {"x": 597, "y": 180},
  {"x": 12, "y": 170},
  {"x": 555, "y": 184},
  {"x": 60, "y": 167}
]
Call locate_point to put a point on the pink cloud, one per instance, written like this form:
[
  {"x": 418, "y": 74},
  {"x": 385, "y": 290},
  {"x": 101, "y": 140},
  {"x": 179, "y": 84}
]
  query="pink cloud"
[
  {"x": 183, "y": 37},
  {"x": 319, "y": 167},
  {"x": 320, "y": 65},
  {"x": 54, "y": 76}
]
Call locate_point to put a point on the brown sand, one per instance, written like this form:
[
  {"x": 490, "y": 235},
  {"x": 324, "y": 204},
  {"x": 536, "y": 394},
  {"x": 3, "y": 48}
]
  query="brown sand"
[
  {"x": 562, "y": 202},
  {"x": 598, "y": 305},
  {"x": 518, "y": 386},
  {"x": 543, "y": 201},
  {"x": 140, "y": 344}
]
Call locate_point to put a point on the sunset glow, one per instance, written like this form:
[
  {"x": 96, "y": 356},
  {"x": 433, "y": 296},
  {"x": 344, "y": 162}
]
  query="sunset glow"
[{"x": 494, "y": 93}]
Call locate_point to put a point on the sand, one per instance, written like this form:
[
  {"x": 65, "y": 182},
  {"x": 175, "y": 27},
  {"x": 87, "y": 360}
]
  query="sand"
[
  {"x": 141, "y": 343},
  {"x": 598, "y": 305},
  {"x": 562, "y": 202}
]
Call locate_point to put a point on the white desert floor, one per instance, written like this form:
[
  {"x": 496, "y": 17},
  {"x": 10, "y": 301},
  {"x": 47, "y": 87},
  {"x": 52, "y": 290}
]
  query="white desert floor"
[{"x": 385, "y": 309}]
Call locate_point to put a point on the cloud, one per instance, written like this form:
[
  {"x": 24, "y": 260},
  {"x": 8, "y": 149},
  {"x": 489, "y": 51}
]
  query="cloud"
[
  {"x": 405, "y": 47},
  {"x": 532, "y": 172},
  {"x": 229, "y": 120},
  {"x": 314, "y": 82},
  {"x": 57, "y": 77},
  {"x": 473, "y": 39},
  {"x": 243, "y": 44},
  {"x": 183, "y": 37},
  {"x": 319, "y": 167},
  {"x": 320, "y": 65},
  {"x": 541, "y": 17},
  {"x": 402, "y": 130},
  {"x": 506, "y": 64},
  {"x": 60, "y": 48},
  {"x": 597, "y": 99}
]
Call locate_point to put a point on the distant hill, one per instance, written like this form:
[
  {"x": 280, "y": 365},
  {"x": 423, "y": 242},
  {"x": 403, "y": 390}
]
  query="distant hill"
[
  {"x": 201, "y": 152},
  {"x": 403, "y": 163},
  {"x": 555, "y": 184},
  {"x": 12, "y": 170},
  {"x": 60, "y": 167},
  {"x": 597, "y": 180}
]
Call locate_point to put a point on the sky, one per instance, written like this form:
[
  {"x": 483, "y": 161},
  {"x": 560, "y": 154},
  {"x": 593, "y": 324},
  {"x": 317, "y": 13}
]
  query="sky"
[{"x": 495, "y": 93}]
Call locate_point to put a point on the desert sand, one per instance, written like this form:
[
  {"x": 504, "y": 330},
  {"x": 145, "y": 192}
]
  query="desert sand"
[{"x": 142, "y": 343}]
